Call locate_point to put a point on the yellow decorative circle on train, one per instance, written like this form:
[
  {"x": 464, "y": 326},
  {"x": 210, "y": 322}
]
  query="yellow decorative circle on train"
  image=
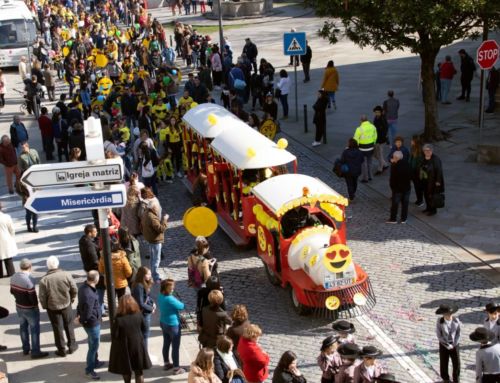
[
  {"x": 282, "y": 143},
  {"x": 313, "y": 260},
  {"x": 200, "y": 221},
  {"x": 269, "y": 251},
  {"x": 251, "y": 228},
  {"x": 261, "y": 239},
  {"x": 337, "y": 258},
  {"x": 306, "y": 250},
  {"x": 332, "y": 303}
]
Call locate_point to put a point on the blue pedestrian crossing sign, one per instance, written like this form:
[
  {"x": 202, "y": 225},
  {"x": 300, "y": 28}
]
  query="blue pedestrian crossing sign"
[{"x": 294, "y": 43}]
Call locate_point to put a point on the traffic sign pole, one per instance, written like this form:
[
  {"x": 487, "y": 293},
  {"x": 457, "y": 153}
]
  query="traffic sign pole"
[
  {"x": 487, "y": 55},
  {"x": 296, "y": 92}
]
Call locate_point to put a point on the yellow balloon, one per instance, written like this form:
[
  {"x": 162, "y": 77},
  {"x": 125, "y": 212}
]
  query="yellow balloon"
[
  {"x": 212, "y": 120},
  {"x": 65, "y": 51},
  {"x": 101, "y": 60},
  {"x": 282, "y": 143},
  {"x": 200, "y": 221}
]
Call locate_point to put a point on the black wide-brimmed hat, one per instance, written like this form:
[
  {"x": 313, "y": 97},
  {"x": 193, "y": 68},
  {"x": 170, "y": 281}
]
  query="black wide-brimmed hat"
[
  {"x": 370, "y": 352},
  {"x": 348, "y": 351},
  {"x": 492, "y": 307},
  {"x": 446, "y": 309},
  {"x": 3, "y": 312},
  {"x": 327, "y": 342},
  {"x": 344, "y": 326},
  {"x": 386, "y": 378},
  {"x": 482, "y": 335}
]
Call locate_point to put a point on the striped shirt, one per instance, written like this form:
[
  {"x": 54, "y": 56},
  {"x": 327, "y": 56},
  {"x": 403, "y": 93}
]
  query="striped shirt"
[{"x": 23, "y": 289}]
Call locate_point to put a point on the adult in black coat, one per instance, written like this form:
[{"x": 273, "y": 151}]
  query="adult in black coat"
[
  {"x": 128, "y": 104},
  {"x": 74, "y": 115},
  {"x": 319, "y": 118},
  {"x": 77, "y": 140},
  {"x": 306, "y": 62},
  {"x": 215, "y": 320},
  {"x": 251, "y": 51},
  {"x": 128, "y": 352},
  {"x": 200, "y": 92},
  {"x": 212, "y": 283},
  {"x": 145, "y": 120},
  {"x": 400, "y": 182},
  {"x": 226, "y": 366},
  {"x": 431, "y": 175},
  {"x": 353, "y": 158},
  {"x": 467, "y": 69}
]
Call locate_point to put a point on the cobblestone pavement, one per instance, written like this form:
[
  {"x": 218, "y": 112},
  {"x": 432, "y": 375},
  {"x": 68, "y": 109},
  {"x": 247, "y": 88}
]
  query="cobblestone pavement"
[{"x": 411, "y": 276}]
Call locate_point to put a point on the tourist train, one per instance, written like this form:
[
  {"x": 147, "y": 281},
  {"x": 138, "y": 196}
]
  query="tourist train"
[{"x": 296, "y": 221}]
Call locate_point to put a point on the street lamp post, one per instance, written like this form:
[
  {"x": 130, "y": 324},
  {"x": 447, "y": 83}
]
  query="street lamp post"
[{"x": 221, "y": 31}]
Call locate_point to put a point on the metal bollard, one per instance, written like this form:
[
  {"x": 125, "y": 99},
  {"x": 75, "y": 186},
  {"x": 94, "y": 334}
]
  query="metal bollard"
[{"x": 305, "y": 119}]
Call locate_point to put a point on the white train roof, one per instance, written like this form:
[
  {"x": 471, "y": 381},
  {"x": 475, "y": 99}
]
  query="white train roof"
[
  {"x": 246, "y": 148},
  {"x": 210, "y": 120},
  {"x": 280, "y": 191}
]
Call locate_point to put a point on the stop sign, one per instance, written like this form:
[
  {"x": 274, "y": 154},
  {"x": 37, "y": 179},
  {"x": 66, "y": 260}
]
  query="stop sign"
[{"x": 487, "y": 54}]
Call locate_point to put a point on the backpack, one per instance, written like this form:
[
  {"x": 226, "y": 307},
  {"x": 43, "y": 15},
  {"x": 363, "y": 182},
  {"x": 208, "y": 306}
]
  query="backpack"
[{"x": 195, "y": 278}]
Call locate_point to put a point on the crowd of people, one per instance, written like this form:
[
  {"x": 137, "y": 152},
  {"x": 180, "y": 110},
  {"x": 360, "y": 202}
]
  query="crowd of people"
[{"x": 417, "y": 165}]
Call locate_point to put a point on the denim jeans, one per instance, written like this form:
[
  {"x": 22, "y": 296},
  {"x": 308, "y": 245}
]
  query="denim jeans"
[
  {"x": 331, "y": 98},
  {"x": 31, "y": 218},
  {"x": 445, "y": 89},
  {"x": 393, "y": 130},
  {"x": 155, "y": 253},
  {"x": 100, "y": 294},
  {"x": 147, "y": 329},
  {"x": 94, "y": 334},
  {"x": 284, "y": 104},
  {"x": 29, "y": 325},
  {"x": 366, "y": 167},
  {"x": 404, "y": 200},
  {"x": 171, "y": 336}
]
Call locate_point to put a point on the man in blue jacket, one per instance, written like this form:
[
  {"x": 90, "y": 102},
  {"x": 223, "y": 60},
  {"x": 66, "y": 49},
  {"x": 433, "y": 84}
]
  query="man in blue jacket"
[{"x": 89, "y": 315}]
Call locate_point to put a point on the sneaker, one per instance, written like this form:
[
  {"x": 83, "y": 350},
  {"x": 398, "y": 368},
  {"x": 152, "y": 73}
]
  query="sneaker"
[
  {"x": 419, "y": 203},
  {"x": 39, "y": 355},
  {"x": 60, "y": 353},
  {"x": 99, "y": 364},
  {"x": 35, "y": 230},
  {"x": 168, "y": 366},
  {"x": 391, "y": 221},
  {"x": 179, "y": 370},
  {"x": 316, "y": 143},
  {"x": 403, "y": 222},
  {"x": 92, "y": 375},
  {"x": 72, "y": 350}
]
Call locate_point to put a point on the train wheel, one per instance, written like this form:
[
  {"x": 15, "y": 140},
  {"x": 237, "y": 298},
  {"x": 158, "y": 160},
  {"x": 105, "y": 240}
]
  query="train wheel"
[
  {"x": 297, "y": 306},
  {"x": 271, "y": 275}
]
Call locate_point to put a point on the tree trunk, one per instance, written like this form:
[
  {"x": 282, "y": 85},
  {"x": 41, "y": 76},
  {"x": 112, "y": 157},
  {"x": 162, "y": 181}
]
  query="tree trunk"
[{"x": 431, "y": 127}]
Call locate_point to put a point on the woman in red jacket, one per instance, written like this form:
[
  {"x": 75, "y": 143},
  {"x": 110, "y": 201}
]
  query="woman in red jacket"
[{"x": 255, "y": 361}]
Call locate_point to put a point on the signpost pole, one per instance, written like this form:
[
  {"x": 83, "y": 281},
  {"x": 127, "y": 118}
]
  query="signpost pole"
[
  {"x": 95, "y": 151},
  {"x": 296, "y": 97},
  {"x": 108, "y": 267}
]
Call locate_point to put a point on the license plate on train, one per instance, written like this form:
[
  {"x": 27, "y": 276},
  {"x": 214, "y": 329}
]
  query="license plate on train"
[{"x": 337, "y": 282}]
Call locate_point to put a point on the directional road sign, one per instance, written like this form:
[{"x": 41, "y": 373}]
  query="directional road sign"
[
  {"x": 487, "y": 54},
  {"x": 78, "y": 198},
  {"x": 294, "y": 43},
  {"x": 73, "y": 173}
]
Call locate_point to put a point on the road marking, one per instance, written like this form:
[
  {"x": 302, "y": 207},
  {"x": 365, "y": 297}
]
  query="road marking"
[{"x": 396, "y": 352}]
